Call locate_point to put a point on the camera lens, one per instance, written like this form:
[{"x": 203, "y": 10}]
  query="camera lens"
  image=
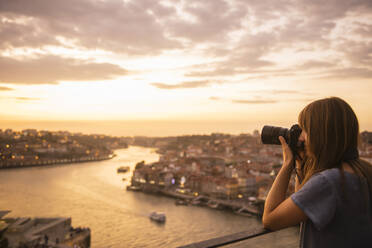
[{"x": 270, "y": 135}]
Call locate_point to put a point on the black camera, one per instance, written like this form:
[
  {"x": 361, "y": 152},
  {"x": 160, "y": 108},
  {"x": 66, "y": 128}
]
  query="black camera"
[{"x": 270, "y": 135}]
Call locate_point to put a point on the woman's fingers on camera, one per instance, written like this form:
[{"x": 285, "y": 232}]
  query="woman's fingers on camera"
[
  {"x": 284, "y": 144},
  {"x": 282, "y": 141},
  {"x": 287, "y": 153},
  {"x": 301, "y": 156}
]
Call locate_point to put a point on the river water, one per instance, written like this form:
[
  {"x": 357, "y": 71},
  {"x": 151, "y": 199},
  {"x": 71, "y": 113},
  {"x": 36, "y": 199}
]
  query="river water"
[{"x": 94, "y": 196}]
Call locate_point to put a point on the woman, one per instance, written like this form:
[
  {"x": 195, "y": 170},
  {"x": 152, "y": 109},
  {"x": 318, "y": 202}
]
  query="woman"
[{"x": 332, "y": 197}]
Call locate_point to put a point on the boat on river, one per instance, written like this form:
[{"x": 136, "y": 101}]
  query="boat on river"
[
  {"x": 213, "y": 204},
  {"x": 133, "y": 188},
  {"x": 182, "y": 202},
  {"x": 123, "y": 169},
  {"x": 158, "y": 217}
]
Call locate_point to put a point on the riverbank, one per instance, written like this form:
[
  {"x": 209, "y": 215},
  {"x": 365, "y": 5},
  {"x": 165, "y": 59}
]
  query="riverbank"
[
  {"x": 240, "y": 207},
  {"x": 25, "y": 164},
  {"x": 94, "y": 196},
  {"x": 42, "y": 232}
]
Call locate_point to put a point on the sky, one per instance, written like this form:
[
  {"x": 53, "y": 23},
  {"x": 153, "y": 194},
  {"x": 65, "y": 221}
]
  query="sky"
[{"x": 158, "y": 68}]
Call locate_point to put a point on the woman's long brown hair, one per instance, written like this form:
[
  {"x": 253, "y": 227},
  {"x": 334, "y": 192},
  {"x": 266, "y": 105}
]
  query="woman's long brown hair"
[{"x": 332, "y": 131}]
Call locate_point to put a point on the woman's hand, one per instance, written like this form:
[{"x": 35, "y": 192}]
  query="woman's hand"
[
  {"x": 287, "y": 153},
  {"x": 299, "y": 164},
  {"x": 279, "y": 211}
]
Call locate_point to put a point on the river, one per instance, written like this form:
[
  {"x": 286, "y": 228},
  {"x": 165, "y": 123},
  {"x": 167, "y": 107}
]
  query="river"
[{"x": 94, "y": 196}]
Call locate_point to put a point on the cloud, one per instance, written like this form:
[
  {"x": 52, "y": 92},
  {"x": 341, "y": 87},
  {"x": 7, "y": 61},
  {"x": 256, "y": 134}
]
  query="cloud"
[
  {"x": 306, "y": 100},
  {"x": 357, "y": 52},
  {"x": 25, "y": 35},
  {"x": 27, "y": 98},
  {"x": 258, "y": 101},
  {"x": 246, "y": 57},
  {"x": 315, "y": 64},
  {"x": 284, "y": 92},
  {"x": 305, "y": 21},
  {"x": 275, "y": 92},
  {"x": 304, "y": 27},
  {"x": 2, "y": 88},
  {"x": 53, "y": 69},
  {"x": 348, "y": 73},
  {"x": 274, "y": 96},
  {"x": 237, "y": 37},
  {"x": 209, "y": 20},
  {"x": 363, "y": 29},
  {"x": 126, "y": 27},
  {"x": 214, "y": 98},
  {"x": 183, "y": 85}
]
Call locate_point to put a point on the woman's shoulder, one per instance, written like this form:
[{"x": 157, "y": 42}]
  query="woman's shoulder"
[
  {"x": 333, "y": 176},
  {"x": 329, "y": 174},
  {"x": 324, "y": 179}
]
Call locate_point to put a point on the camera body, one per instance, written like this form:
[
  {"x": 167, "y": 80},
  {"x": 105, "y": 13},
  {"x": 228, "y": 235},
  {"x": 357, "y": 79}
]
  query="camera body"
[{"x": 270, "y": 135}]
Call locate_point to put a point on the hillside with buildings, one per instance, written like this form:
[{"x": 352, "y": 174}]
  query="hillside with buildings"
[
  {"x": 237, "y": 168},
  {"x": 31, "y": 147}
]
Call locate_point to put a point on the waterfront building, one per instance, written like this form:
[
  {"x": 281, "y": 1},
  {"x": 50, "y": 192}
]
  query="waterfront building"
[{"x": 32, "y": 232}]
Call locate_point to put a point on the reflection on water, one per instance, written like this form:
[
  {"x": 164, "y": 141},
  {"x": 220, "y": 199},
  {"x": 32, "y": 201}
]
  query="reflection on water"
[{"x": 94, "y": 195}]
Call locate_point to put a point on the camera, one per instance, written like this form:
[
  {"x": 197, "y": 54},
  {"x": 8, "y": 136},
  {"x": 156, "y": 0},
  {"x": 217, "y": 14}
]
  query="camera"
[{"x": 270, "y": 135}]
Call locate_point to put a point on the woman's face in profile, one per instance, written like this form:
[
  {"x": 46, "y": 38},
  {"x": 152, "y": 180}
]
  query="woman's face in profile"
[{"x": 303, "y": 138}]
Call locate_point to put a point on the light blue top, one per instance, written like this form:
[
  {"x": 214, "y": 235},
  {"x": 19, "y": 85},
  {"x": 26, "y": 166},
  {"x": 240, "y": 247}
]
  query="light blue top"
[{"x": 336, "y": 218}]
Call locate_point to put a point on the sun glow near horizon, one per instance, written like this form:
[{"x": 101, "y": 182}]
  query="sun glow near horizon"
[{"x": 176, "y": 61}]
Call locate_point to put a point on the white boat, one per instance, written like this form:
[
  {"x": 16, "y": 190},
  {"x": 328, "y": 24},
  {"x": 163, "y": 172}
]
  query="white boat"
[
  {"x": 252, "y": 199},
  {"x": 133, "y": 188},
  {"x": 212, "y": 204},
  {"x": 158, "y": 217},
  {"x": 181, "y": 202}
]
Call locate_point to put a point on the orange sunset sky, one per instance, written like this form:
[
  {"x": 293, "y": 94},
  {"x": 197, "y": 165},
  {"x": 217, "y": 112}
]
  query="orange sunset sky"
[{"x": 146, "y": 67}]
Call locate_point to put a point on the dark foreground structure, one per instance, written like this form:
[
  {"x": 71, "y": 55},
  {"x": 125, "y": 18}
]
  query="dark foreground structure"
[
  {"x": 255, "y": 238},
  {"x": 25, "y": 232}
]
